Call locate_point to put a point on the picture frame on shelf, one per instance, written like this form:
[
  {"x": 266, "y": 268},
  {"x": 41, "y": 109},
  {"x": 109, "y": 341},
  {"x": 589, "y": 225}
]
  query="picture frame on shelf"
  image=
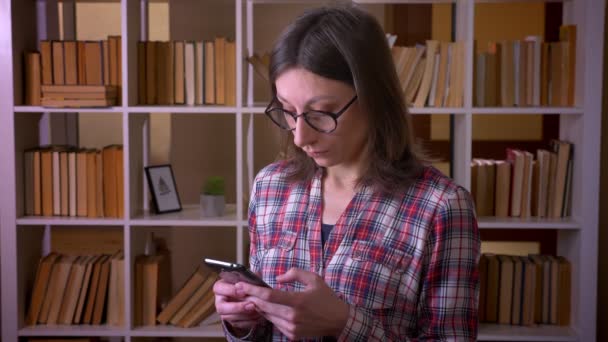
[{"x": 161, "y": 181}]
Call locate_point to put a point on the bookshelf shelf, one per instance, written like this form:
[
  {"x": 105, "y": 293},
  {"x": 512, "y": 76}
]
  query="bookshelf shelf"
[
  {"x": 498, "y": 332},
  {"x": 189, "y": 216},
  {"x": 38, "y": 109},
  {"x": 213, "y": 330},
  {"x": 68, "y": 221},
  {"x": 423, "y": 110},
  {"x": 486, "y": 222},
  {"x": 25, "y": 127},
  {"x": 527, "y": 110},
  {"x": 183, "y": 109},
  {"x": 72, "y": 330},
  {"x": 507, "y": 1}
]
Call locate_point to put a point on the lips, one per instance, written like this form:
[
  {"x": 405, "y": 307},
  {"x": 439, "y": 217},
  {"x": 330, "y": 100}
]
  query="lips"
[{"x": 316, "y": 153}]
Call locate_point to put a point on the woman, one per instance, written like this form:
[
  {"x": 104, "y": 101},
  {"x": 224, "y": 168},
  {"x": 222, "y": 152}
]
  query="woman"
[{"x": 357, "y": 236}]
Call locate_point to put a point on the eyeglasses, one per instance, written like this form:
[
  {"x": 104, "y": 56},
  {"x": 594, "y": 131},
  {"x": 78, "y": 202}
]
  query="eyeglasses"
[{"x": 324, "y": 122}]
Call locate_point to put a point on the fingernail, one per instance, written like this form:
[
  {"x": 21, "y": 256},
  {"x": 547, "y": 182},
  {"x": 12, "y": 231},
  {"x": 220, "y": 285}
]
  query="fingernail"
[
  {"x": 249, "y": 307},
  {"x": 238, "y": 286}
]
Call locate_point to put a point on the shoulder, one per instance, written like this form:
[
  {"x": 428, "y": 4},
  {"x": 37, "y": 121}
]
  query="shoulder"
[
  {"x": 441, "y": 192},
  {"x": 273, "y": 174},
  {"x": 274, "y": 180}
]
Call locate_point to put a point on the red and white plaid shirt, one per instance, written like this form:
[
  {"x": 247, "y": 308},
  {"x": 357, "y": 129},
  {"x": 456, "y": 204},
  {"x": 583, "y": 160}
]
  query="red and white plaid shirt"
[{"x": 406, "y": 263}]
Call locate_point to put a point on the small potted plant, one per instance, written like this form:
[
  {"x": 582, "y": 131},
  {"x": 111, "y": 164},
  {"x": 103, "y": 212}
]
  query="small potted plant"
[{"x": 213, "y": 200}]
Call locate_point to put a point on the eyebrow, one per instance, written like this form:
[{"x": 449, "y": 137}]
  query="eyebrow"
[{"x": 311, "y": 100}]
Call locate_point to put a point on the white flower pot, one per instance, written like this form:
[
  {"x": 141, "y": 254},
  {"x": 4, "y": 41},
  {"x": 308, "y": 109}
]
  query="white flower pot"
[{"x": 212, "y": 205}]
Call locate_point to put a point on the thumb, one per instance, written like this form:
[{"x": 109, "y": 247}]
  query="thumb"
[{"x": 299, "y": 275}]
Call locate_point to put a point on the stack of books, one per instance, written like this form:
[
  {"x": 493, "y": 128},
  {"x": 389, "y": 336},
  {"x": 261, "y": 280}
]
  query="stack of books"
[
  {"x": 79, "y": 95},
  {"x": 78, "y": 289},
  {"x": 71, "y": 181},
  {"x": 524, "y": 290},
  {"x": 522, "y": 186},
  {"x": 193, "y": 302},
  {"x": 82, "y": 66}
]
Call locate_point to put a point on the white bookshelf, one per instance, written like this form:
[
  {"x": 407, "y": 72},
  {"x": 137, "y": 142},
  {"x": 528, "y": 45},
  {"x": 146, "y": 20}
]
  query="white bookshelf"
[{"x": 21, "y": 236}]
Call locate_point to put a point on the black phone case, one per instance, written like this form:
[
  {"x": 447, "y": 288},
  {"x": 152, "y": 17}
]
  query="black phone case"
[{"x": 237, "y": 272}]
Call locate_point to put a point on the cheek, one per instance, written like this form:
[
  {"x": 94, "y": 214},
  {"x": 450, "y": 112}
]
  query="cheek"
[{"x": 351, "y": 137}]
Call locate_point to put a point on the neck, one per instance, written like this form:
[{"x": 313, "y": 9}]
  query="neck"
[{"x": 342, "y": 178}]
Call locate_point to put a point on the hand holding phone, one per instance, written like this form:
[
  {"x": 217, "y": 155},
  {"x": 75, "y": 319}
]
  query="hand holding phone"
[{"x": 233, "y": 272}]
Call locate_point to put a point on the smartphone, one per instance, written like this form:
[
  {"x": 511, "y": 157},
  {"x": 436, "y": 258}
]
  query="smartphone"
[{"x": 233, "y": 272}]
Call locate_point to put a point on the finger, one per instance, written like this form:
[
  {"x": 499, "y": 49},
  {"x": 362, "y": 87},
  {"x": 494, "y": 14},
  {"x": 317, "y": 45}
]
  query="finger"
[
  {"x": 265, "y": 294},
  {"x": 223, "y": 288},
  {"x": 299, "y": 275},
  {"x": 271, "y": 308},
  {"x": 227, "y": 308}
]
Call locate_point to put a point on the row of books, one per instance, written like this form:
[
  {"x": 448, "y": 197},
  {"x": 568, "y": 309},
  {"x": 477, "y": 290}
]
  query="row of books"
[
  {"x": 432, "y": 74},
  {"x": 524, "y": 290},
  {"x": 527, "y": 72},
  {"x": 187, "y": 72},
  {"x": 78, "y": 289},
  {"x": 193, "y": 303},
  {"x": 91, "y": 63},
  {"x": 71, "y": 181},
  {"x": 521, "y": 186}
]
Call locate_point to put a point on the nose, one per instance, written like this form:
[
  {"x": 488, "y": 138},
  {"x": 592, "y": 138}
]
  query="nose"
[{"x": 303, "y": 134}]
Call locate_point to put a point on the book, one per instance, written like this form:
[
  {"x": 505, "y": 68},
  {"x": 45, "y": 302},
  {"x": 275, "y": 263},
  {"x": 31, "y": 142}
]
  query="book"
[
  {"x": 46, "y": 62},
  {"x": 151, "y": 66},
  {"x": 33, "y": 78},
  {"x": 220, "y": 70},
  {"x": 102, "y": 291},
  {"x": 142, "y": 86},
  {"x": 185, "y": 292},
  {"x": 200, "y": 311},
  {"x": 61, "y": 273},
  {"x": 190, "y": 71},
  {"x": 197, "y": 296},
  {"x": 230, "y": 73},
  {"x": 72, "y": 291},
  {"x": 89, "y": 262},
  {"x": 431, "y": 50},
  {"x": 180, "y": 78},
  {"x": 41, "y": 283},
  {"x": 57, "y": 60},
  {"x": 94, "y": 286},
  {"x": 210, "y": 76},
  {"x": 505, "y": 292}
]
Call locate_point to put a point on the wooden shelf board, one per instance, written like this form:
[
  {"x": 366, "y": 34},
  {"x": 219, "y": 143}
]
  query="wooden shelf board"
[
  {"x": 500, "y": 332},
  {"x": 189, "y": 216}
]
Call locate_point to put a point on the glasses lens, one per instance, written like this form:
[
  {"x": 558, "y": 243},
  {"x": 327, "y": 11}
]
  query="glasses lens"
[
  {"x": 321, "y": 121},
  {"x": 282, "y": 119}
]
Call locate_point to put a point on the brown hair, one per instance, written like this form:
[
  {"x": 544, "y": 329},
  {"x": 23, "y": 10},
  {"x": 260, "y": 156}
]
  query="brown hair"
[{"x": 345, "y": 43}]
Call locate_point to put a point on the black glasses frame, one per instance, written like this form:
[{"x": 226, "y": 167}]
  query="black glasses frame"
[{"x": 295, "y": 116}]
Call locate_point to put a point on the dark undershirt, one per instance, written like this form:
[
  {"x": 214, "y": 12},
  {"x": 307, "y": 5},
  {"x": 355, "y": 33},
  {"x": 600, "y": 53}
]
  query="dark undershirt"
[{"x": 325, "y": 231}]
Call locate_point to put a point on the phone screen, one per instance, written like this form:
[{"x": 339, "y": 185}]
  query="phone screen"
[{"x": 233, "y": 272}]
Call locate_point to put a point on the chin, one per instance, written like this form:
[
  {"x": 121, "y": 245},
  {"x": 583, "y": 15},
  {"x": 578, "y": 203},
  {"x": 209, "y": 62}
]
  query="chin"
[{"x": 323, "y": 162}]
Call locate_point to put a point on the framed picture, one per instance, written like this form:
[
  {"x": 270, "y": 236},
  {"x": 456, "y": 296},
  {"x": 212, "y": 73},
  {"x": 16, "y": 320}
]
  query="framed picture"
[{"x": 163, "y": 188}]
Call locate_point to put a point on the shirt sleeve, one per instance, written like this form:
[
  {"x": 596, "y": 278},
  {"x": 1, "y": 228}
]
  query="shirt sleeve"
[
  {"x": 448, "y": 305},
  {"x": 447, "y": 309},
  {"x": 259, "y": 333}
]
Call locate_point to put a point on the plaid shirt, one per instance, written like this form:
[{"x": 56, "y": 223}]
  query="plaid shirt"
[{"x": 406, "y": 263}]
